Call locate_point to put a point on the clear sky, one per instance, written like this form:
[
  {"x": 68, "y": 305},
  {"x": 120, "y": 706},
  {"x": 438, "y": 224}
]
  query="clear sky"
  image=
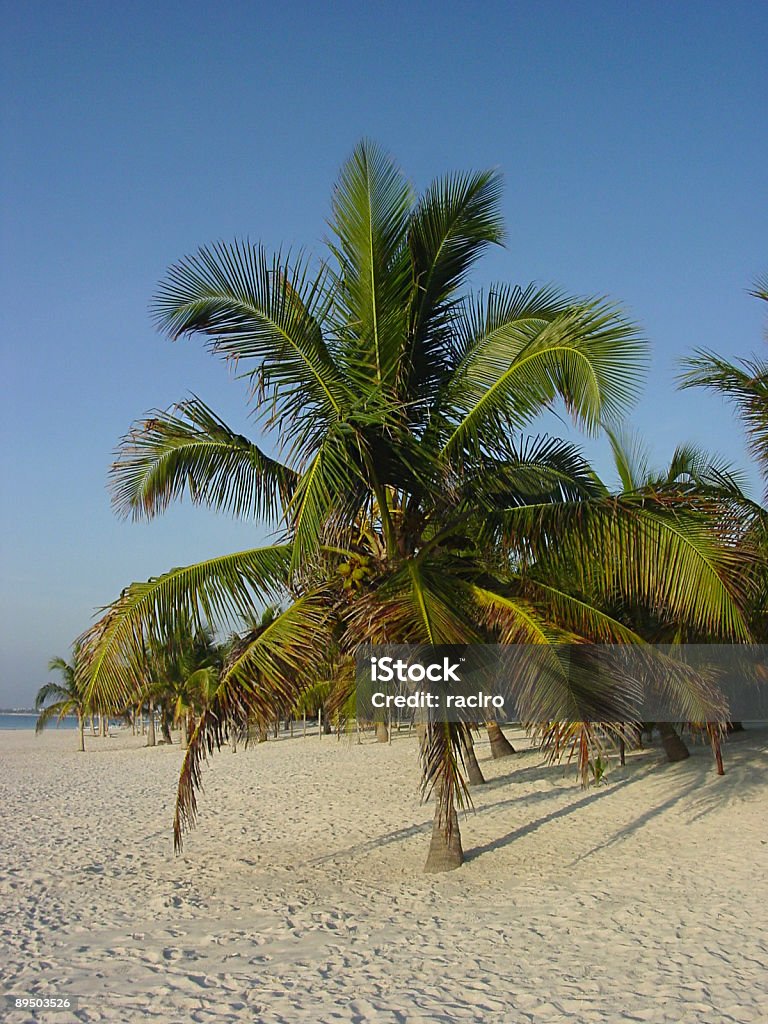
[{"x": 632, "y": 137}]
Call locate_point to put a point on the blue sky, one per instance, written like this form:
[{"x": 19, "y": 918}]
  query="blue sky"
[{"x": 632, "y": 137}]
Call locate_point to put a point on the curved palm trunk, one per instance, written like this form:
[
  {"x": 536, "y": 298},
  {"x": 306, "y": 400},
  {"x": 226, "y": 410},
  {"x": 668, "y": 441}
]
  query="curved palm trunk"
[
  {"x": 445, "y": 850},
  {"x": 500, "y": 745},
  {"x": 475, "y": 775},
  {"x": 673, "y": 744}
]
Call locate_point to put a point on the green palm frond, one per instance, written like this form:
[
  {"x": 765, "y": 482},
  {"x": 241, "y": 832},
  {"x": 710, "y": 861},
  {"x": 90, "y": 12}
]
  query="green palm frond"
[
  {"x": 191, "y": 449},
  {"x": 275, "y": 662},
  {"x": 331, "y": 488},
  {"x": 216, "y": 591},
  {"x": 745, "y": 386},
  {"x": 261, "y": 682},
  {"x": 49, "y": 690},
  {"x": 454, "y": 222},
  {"x": 260, "y": 311},
  {"x": 535, "y": 469},
  {"x": 58, "y": 711},
  {"x": 371, "y": 207},
  {"x": 419, "y": 603},
  {"x": 760, "y": 291},
  {"x": 666, "y": 559},
  {"x": 514, "y": 620},
  {"x": 579, "y": 617},
  {"x": 588, "y": 354},
  {"x": 631, "y": 458},
  {"x": 760, "y": 288}
]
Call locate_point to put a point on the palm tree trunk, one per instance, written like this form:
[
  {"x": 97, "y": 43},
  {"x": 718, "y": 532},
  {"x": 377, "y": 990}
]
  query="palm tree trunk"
[
  {"x": 382, "y": 733},
  {"x": 165, "y": 726},
  {"x": 475, "y": 775},
  {"x": 714, "y": 737},
  {"x": 151, "y": 740},
  {"x": 81, "y": 731},
  {"x": 445, "y": 851},
  {"x": 674, "y": 747},
  {"x": 500, "y": 745}
]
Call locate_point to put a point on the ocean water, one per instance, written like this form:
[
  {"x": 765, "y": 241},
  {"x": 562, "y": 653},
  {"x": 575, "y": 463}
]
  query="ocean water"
[{"x": 25, "y": 721}]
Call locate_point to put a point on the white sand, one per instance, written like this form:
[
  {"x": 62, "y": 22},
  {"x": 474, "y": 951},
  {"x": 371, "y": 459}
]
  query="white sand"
[{"x": 300, "y": 895}]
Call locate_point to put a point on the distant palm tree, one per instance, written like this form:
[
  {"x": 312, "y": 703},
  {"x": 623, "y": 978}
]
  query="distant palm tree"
[
  {"x": 410, "y": 509},
  {"x": 68, "y": 697},
  {"x": 180, "y": 674},
  {"x": 745, "y": 385}
]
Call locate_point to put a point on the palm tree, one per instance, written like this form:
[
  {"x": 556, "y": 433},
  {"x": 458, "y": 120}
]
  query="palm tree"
[
  {"x": 744, "y": 385},
  {"x": 68, "y": 697},
  {"x": 693, "y": 484},
  {"x": 181, "y": 673},
  {"x": 408, "y": 508}
]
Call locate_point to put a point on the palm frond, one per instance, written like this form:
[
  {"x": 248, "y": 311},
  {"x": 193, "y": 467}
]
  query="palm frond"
[
  {"x": 631, "y": 458},
  {"x": 745, "y": 386},
  {"x": 44, "y": 694},
  {"x": 216, "y": 591},
  {"x": 588, "y": 354},
  {"x": 371, "y": 206},
  {"x": 454, "y": 222},
  {"x": 58, "y": 711},
  {"x": 257, "y": 310},
  {"x": 666, "y": 559},
  {"x": 266, "y": 672},
  {"x": 189, "y": 448}
]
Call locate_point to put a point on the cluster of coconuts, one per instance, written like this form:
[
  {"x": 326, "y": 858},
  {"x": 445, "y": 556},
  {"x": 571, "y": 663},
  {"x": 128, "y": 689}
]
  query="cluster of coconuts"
[{"x": 355, "y": 571}]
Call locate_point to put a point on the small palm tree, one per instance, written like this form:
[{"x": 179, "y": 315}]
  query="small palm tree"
[
  {"x": 180, "y": 673},
  {"x": 744, "y": 385},
  {"x": 67, "y": 696}
]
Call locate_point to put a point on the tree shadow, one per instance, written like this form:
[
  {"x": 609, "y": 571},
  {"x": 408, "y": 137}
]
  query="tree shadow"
[{"x": 537, "y": 823}]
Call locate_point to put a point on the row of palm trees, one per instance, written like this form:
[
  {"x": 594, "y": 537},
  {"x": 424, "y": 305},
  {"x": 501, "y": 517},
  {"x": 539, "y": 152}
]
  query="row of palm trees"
[{"x": 407, "y": 502}]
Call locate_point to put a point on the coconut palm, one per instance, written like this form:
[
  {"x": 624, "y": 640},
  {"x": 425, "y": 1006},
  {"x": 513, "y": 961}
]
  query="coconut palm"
[
  {"x": 408, "y": 507},
  {"x": 694, "y": 484},
  {"x": 67, "y": 696},
  {"x": 745, "y": 385},
  {"x": 181, "y": 672}
]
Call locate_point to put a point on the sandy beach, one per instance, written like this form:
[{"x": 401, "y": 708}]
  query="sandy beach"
[{"x": 300, "y": 895}]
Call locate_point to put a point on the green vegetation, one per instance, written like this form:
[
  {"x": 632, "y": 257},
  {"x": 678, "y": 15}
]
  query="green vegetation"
[
  {"x": 67, "y": 696},
  {"x": 407, "y": 502}
]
